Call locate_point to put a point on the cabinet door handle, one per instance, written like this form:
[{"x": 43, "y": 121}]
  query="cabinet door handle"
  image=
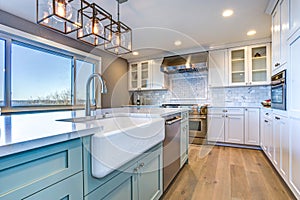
[
  {"x": 278, "y": 118},
  {"x": 266, "y": 121},
  {"x": 267, "y": 113},
  {"x": 142, "y": 165},
  {"x": 277, "y": 64}
]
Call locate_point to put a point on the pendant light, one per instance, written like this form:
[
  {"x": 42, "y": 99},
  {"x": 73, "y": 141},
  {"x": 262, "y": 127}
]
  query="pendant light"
[
  {"x": 60, "y": 15},
  {"x": 94, "y": 20},
  {"x": 120, "y": 36}
]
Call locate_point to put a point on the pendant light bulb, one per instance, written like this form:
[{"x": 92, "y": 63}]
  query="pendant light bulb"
[
  {"x": 97, "y": 28},
  {"x": 118, "y": 39},
  {"x": 62, "y": 8}
]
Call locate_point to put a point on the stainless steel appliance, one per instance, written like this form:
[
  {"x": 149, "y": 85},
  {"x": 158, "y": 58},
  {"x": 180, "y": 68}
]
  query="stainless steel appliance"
[
  {"x": 171, "y": 149},
  {"x": 197, "y": 121},
  {"x": 185, "y": 63},
  {"x": 198, "y": 125},
  {"x": 278, "y": 91}
]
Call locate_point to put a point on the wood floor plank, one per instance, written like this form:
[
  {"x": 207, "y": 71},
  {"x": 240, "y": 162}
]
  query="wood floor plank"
[{"x": 215, "y": 172}]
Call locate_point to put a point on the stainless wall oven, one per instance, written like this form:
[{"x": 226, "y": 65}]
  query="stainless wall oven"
[{"x": 278, "y": 91}]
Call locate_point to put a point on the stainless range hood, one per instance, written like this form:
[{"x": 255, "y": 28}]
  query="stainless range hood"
[{"x": 185, "y": 63}]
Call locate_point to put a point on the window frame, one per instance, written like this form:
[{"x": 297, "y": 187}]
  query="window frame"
[{"x": 41, "y": 44}]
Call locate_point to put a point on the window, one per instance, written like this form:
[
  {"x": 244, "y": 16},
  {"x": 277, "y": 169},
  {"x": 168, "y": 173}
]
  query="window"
[
  {"x": 2, "y": 70},
  {"x": 35, "y": 75},
  {"x": 83, "y": 70},
  {"x": 40, "y": 77}
]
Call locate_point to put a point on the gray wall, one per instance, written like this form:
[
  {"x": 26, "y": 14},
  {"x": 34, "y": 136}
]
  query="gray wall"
[{"x": 114, "y": 69}]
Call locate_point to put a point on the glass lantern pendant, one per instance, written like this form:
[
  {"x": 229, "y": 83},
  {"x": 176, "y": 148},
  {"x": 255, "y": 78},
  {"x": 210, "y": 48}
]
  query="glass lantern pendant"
[
  {"x": 60, "y": 15},
  {"x": 120, "y": 36},
  {"x": 94, "y": 19}
]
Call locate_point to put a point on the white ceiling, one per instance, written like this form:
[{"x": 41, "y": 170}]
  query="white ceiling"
[{"x": 157, "y": 24}]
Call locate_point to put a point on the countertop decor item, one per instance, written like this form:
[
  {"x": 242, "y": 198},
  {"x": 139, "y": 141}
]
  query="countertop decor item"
[{"x": 266, "y": 103}]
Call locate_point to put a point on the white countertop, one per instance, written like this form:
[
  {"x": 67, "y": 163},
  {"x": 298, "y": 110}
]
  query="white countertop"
[{"x": 21, "y": 132}]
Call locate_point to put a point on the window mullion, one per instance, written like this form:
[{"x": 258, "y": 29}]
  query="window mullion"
[
  {"x": 7, "y": 89},
  {"x": 73, "y": 92}
]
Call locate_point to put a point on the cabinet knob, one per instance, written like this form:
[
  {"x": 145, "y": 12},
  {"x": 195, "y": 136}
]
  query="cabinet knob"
[
  {"x": 142, "y": 165},
  {"x": 135, "y": 170},
  {"x": 267, "y": 113},
  {"x": 246, "y": 109},
  {"x": 250, "y": 83}
]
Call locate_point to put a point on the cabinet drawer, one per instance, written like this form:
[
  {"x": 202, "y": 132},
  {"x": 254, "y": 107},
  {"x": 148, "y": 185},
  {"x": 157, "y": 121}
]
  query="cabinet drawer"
[
  {"x": 28, "y": 172},
  {"x": 68, "y": 189},
  {"x": 267, "y": 113},
  {"x": 232, "y": 111},
  {"x": 215, "y": 110}
]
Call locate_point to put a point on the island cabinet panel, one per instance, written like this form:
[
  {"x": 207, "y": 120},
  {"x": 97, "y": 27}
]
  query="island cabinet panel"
[
  {"x": 26, "y": 173},
  {"x": 141, "y": 178},
  {"x": 150, "y": 184},
  {"x": 68, "y": 189}
]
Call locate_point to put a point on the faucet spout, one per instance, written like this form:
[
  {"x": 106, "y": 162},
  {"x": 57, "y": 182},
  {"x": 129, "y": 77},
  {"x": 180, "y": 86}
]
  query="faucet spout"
[{"x": 88, "y": 83}]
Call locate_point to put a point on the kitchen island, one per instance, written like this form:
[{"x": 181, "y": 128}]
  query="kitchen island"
[{"x": 51, "y": 159}]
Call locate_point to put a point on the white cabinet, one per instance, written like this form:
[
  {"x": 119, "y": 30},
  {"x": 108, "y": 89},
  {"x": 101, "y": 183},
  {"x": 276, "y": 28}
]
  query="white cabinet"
[
  {"x": 249, "y": 65},
  {"x": 226, "y": 125},
  {"x": 294, "y": 111},
  {"x": 280, "y": 29},
  {"x": 295, "y": 155},
  {"x": 252, "y": 129},
  {"x": 295, "y": 15},
  {"x": 139, "y": 75},
  {"x": 218, "y": 68},
  {"x": 234, "y": 128},
  {"x": 281, "y": 144},
  {"x": 146, "y": 75},
  {"x": 215, "y": 127},
  {"x": 266, "y": 130},
  {"x": 184, "y": 138}
]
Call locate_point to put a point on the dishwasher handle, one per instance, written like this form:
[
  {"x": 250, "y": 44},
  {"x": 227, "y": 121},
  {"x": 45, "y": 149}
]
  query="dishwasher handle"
[{"x": 172, "y": 121}]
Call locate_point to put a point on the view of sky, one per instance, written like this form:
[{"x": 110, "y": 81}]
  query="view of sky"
[{"x": 38, "y": 74}]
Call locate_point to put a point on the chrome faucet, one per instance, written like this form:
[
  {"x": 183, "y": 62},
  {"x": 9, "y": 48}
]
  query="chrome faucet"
[{"x": 88, "y": 83}]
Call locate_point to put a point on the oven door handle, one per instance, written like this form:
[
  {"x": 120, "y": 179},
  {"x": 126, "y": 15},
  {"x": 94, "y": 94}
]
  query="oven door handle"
[{"x": 170, "y": 122}]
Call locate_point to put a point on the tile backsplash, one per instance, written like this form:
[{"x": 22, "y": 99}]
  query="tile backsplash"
[{"x": 192, "y": 88}]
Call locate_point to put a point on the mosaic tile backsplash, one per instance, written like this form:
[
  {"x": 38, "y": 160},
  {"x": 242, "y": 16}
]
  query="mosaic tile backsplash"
[{"x": 192, "y": 88}]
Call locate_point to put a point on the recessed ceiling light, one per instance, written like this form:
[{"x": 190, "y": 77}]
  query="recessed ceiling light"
[
  {"x": 251, "y": 32},
  {"x": 227, "y": 13},
  {"x": 177, "y": 43},
  {"x": 135, "y": 53}
]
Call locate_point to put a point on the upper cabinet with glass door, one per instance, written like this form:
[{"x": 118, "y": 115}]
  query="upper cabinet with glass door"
[
  {"x": 249, "y": 65},
  {"x": 237, "y": 66},
  {"x": 140, "y": 74},
  {"x": 259, "y": 66}
]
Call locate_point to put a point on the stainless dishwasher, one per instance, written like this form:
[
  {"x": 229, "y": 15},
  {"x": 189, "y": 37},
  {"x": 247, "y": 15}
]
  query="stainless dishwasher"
[{"x": 171, "y": 149}]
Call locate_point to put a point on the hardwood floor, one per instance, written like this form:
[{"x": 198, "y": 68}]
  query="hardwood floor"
[{"x": 222, "y": 173}]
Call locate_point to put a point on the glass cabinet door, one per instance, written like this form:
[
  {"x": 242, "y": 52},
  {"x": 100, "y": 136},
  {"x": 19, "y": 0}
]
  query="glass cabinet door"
[
  {"x": 145, "y": 75},
  {"x": 259, "y": 64},
  {"x": 238, "y": 66},
  {"x": 134, "y": 76}
]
